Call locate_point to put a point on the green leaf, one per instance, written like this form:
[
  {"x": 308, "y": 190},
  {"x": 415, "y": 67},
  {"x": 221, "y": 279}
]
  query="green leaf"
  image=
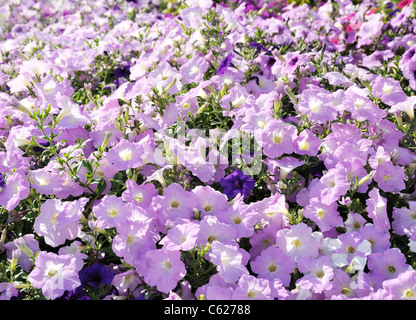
[{"x": 101, "y": 186}]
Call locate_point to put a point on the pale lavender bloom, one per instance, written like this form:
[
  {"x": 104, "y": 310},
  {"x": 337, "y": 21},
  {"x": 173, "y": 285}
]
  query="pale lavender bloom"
[
  {"x": 377, "y": 209},
  {"x": 277, "y": 138},
  {"x": 273, "y": 264},
  {"x": 403, "y": 287},
  {"x": 56, "y": 229},
  {"x": 139, "y": 195},
  {"x": 324, "y": 214},
  {"x": 386, "y": 265},
  {"x": 388, "y": 90},
  {"x": 350, "y": 249},
  {"x": 133, "y": 240},
  {"x": 390, "y": 177},
  {"x": 307, "y": 143},
  {"x": 252, "y": 288},
  {"x": 164, "y": 269},
  {"x": 332, "y": 185},
  {"x": 16, "y": 189},
  {"x": 211, "y": 201},
  {"x": 127, "y": 282},
  {"x": 345, "y": 287},
  {"x": 8, "y": 290},
  {"x": 318, "y": 274},
  {"x": 229, "y": 259},
  {"x": 407, "y": 106},
  {"x": 404, "y": 222},
  {"x": 211, "y": 229},
  {"x": 174, "y": 203},
  {"x": 111, "y": 212},
  {"x": 28, "y": 246},
  {"x": 54, "y": 274},
  {"x": 181, "y": 236},
  {"x": 316, "y": 105},
  {"x": 240, "y": 217},
  {"x": 299, "y": 241},
  {"x": 379, "y": 239},
  {"x": 193, "y": 70}
]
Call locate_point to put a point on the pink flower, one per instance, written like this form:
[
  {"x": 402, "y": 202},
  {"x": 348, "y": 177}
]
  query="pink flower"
[
  {"x": 211, "y": 229},
  {"x": 404, "y": 222},
  {"x": 164, "y": 269},
  {"x": 54, "y": 274},
  {"x": 211, "y": 201}
]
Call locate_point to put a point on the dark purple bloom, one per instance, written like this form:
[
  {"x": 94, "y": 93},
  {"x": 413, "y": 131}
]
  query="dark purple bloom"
[
  {"x": 225, "y": 64},
  {"x": 258, "y": 46},
  {"x": 122, "y": 71},
  {"x": 77, "y": 294},
  {"x": 237, "y": 182},
  {"x": 1, "y": 181},
  {"x": 96, "y": 275}
]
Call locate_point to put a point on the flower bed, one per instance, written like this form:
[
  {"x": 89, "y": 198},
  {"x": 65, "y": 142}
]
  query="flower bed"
[{"x": 210, "y": 150}]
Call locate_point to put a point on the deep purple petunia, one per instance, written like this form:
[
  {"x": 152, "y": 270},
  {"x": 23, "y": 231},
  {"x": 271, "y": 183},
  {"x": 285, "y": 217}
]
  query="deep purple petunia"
[
  {"x": 96, "y": 275},
  {"x": 237, "y": 182},
  {"x": 225, "y": 64}
]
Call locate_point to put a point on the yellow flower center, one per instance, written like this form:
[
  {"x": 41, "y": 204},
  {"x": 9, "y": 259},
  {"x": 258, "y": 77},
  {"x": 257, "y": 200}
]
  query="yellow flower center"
[
  {"x": 113, "y": 212},
  {"x": 52, "y": 272},
  {"x": 138, "y": 197},
  {"x": 272, "y": 267},
  {"x": 237, "y": 220},
  {"x": 296, "y": 243},
  {"x": 277, "y": 139},
  {"x": 125, "y": 154},
  {"x": 174, "y": 204}
]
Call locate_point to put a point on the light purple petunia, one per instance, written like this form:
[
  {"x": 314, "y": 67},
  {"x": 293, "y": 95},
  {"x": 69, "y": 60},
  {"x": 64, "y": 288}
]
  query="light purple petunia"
[
  {"x": 54, "y": 274},
  {"x": 229, "y": 259}
]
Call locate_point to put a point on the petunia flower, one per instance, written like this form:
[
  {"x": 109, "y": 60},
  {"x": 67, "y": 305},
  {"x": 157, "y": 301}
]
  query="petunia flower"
[
  {"x": 252, "y": 288},
  {"x": 390, "y": 178},
  {"x": 299, "y": 241},
  {"x": 388, "y": 90},
  {"x": 211, "y": 201},
  {"x": 59, "y": 221},
  {"x": 403, "y": 287},
  {"x": 54, "y": 274},
  {"x": 377, "y": 209},
  {"x": 237, "y": 182},
  {"x": 139, "y": 195},
  {"x": 386, "y": 265},
  {"x": 111, "y": 212},
  {"x": 96, "y": 275},
  {"x": 408, "y": 106},
  {"x": 194, "y": 69},
  {"x": 230, "y": 260},
  {"x": 16, "y": 189},
  {"x": 317, "y": 274},
  {"x": 404, "y": 222},
  {"x": 181, "y": 236},
  {"x": 306, "y": 143},
  {"x": 272, "y": 264},
  {"x": 125, "y": 155},
  {"x": 324, "y": 214},
  {"x": 28, "y": 246},
  {"x": 277, "y": 138},
  {"x": 351, "y": 250},
  {"x": 164, "y": 269}
]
